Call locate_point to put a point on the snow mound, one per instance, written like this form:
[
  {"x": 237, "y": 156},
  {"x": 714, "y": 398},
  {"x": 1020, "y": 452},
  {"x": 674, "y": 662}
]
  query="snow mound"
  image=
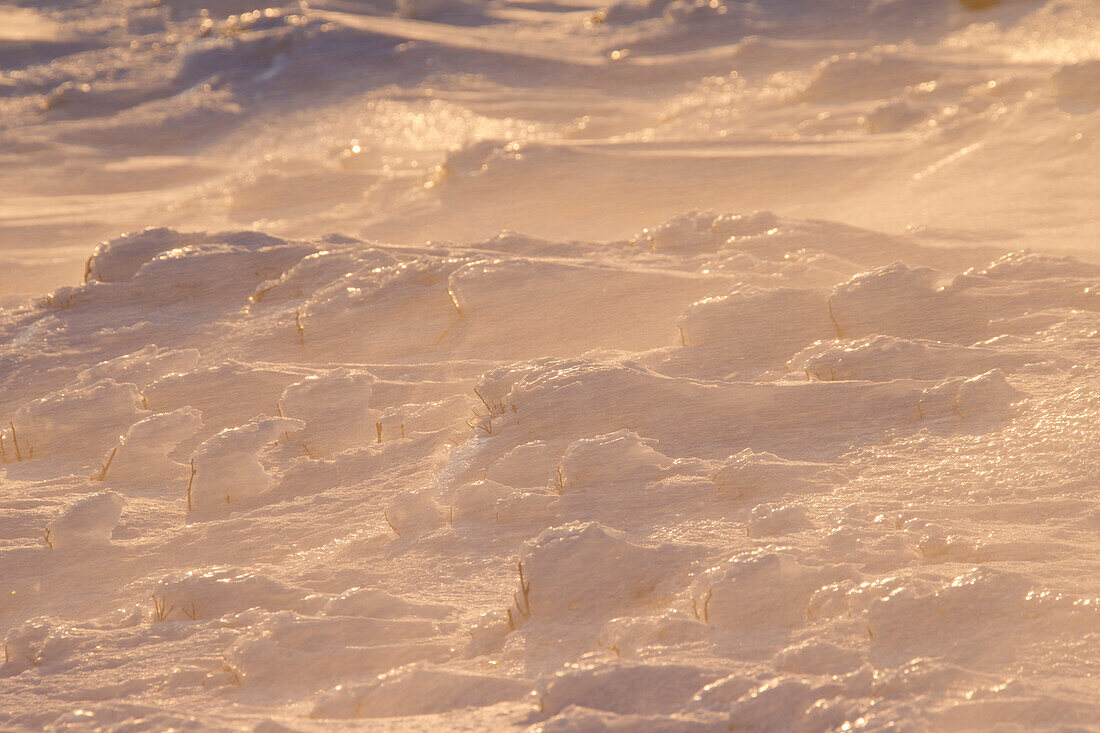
[
  {"x": 228, "y": 394},
  {"x": 904, "y": 620},
  {"x": 881, "y": 358},
  {"x": 819, "y": 658},
  {"x": 416, "y": 512},
  {"x": 25, "y": 646},
  {"x": 698, "y": 232},
  {"x": 576, "y": 718},
  {"x": 706, "y": 419},
  {"x": 46, "y": 426},
  {"x": 734, "y": 324},
  {"x": 476, "y": 502},
  {"x": 921, "y": 303},
  {"x": 227, "y": 466},
  {"x": 213, "y": 593},
  {"x": 883, "y": 75},
  {"x": 165, "y": 262},
  {"x": 623, "y": 688},
  {"x": 327, "y": 650},
  {"x": 142, "y": 367},
  {"x": 416, "y": 690},
  {"x": 585, "y": 306},
  {"x": 638, "y": 636},
  {"x": 528, "y": 464},
  {"x": 142, "y": 454},
  {"x": 753, "y": 473},
  {"x": 377, "y": 603},
  {"x": 87, "y": 522},
  {"x": 616, "y": 461},
  {"x": 335, "y": 409},
  {"x": 119, "y": 259},
  {"x": 581, "y": 574},
  {"x": 986, "y": 395},
  {"x": 761, "y": 590},
  {"x": 314, "y": 271},
  {"x": 771, "y": 520}
]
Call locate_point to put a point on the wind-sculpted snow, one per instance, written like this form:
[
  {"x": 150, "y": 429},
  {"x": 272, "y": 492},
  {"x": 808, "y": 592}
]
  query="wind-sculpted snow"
[
  {"x": 90, "y": 520},
  {"x": 489, "y": 484},
  {"x": 660, "y": 365}
]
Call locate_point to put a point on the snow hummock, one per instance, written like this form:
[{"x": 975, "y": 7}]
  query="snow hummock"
[
  {"x": 87, "y": 522},
  {"x": 227, "y": 466}
]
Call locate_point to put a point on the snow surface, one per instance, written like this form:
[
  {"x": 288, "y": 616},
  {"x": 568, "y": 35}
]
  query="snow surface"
[{"x": 559, "y": 365}]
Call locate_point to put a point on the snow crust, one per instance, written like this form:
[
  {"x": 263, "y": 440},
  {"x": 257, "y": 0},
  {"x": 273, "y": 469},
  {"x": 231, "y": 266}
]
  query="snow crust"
[{"x": 680, "y": 365}]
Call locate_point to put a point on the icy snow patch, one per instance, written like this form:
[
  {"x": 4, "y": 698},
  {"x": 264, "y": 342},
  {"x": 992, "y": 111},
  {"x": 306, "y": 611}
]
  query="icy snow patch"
[{"x": 87, "y": 522}]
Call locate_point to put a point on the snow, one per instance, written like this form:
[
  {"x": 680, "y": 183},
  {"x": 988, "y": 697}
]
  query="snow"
[
  {"x": 89, "y": 521},
  {"x": 645, "y": 365},
  {"x": 227, "y": 467},
  {"x": 142, "y": 455}
]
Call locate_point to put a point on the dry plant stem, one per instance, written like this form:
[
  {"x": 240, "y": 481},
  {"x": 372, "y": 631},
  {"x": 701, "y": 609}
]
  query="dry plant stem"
[
  {"x": 190, "y": 481},
  {"x": 15, "y": 442},
  {"x": 378, "y": 427},
  {"x": 495, "y": 408},
  {"x": 525, "y": 588},
  {"x": 559, "y": 481},
  {"x": 279, "y": 410},
  {"x": 461, "y": 317},
  {"x": 160, "y": 612},
  {"x": 488, "y": 405},
  {"x": 387, "y": 518},
  {"x": 49, "y": 544},
  {"x": 258, "y": 296},
  {"x": 301, "y": 329},
  {"x": 839, "y": 333},
  {"x": 486, "y": 427},
  {"x": 448, "y": 330},
  {"x": 232, "y": 671},
  {"x": 103, "y": 471},
  {"x": 705, "y": 616}
]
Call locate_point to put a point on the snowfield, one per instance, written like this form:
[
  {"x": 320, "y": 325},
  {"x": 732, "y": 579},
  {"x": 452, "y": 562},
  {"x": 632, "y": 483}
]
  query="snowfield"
[{"x": 687, "y": 366}]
